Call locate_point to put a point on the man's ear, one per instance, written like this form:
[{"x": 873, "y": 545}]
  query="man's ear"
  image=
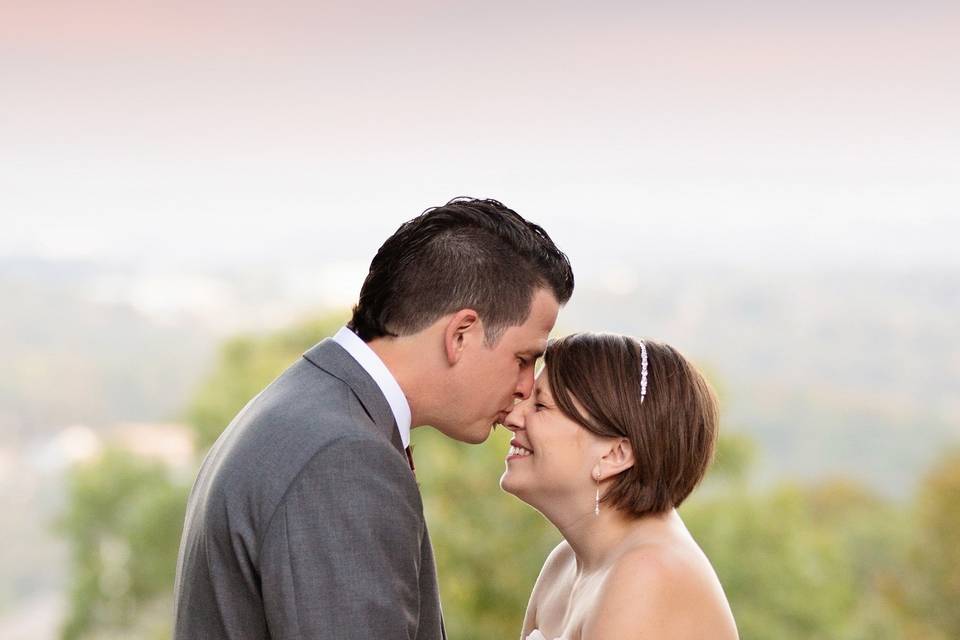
[
  {"x": 618, "y": 459},
  {"x": 461, "y": 327}
]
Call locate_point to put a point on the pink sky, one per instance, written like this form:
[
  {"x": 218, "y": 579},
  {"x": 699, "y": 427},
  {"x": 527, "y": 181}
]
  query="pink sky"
[{"x": 131, "y": 123}]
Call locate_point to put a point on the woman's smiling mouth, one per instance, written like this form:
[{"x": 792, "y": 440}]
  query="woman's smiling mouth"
[{"x": 517, "y": 450}]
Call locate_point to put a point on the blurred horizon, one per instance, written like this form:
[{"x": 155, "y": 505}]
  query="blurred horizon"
[{"x": 812, "y": 364}]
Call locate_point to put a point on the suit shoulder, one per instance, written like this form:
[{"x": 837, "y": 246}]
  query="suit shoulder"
[
  {"x": 360, "y": 454},
  {"x": 356, "y": 472}
]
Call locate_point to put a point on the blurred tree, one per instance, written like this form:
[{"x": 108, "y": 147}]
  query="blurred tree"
[
  {"x": 734, "y": 457},
  {"x": 936, "y": 550},
  {"x": 873, "y": 535},
  {"x": 808, "y": 561},
  {"x": 122, "y": 519},
  {"x": 784, "y": 579}
]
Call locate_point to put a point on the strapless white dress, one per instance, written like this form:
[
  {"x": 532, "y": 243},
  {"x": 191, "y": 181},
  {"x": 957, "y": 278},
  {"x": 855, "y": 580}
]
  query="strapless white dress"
[{"x": 538, "y": 635}]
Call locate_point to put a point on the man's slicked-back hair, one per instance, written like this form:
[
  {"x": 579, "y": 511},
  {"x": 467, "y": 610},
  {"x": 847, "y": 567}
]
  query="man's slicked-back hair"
[{"x": 467, "y": 254}]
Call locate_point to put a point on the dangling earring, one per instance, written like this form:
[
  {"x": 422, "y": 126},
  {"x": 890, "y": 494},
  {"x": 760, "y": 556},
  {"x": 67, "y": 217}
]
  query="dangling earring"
[{"x": 596, "y": 500}]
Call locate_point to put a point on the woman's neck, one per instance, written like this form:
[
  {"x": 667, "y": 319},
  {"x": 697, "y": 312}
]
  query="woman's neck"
[{"x": 597, "y": 539}]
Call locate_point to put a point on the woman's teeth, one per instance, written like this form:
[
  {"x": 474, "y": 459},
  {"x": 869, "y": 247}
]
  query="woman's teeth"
[{"x": 519, "y": 451}]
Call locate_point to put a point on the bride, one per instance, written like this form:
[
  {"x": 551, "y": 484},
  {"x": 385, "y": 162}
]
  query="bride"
[{"x": 616, "y": 435}]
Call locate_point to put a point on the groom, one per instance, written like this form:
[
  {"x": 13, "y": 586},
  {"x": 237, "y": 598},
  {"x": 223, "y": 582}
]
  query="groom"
[{"x": 305, "y": 520}]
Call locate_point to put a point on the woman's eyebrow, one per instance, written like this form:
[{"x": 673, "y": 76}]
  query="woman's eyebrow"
[{"x": 542, "y": 393}]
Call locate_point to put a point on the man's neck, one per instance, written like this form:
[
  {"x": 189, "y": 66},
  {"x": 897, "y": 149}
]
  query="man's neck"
[{"x": 406, "y": 362}]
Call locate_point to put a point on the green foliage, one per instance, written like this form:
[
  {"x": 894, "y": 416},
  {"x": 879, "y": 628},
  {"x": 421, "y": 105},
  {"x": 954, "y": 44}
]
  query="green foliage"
[
  {"x": 826, "y": 560},
  {"x": 733, "y": 458},
  {"x": 936, "y": 550},
  {"x": 123, "y": 521},
  {"x": 245, "y": 366},
  {"x": 766, "y": 553}
]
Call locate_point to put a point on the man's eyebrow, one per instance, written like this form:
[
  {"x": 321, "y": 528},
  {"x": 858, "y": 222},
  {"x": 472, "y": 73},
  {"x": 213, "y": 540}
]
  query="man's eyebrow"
[{"x": 533, "y": 353}]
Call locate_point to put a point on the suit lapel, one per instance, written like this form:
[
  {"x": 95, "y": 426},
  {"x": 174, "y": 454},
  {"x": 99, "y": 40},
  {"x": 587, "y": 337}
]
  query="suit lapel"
[{"x": 334, "y": 359}]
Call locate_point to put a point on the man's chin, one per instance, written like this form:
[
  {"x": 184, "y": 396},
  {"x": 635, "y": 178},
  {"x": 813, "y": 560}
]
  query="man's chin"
[
  {"x": 474, "y": 435},
  {"x": 478, "y": 436}
]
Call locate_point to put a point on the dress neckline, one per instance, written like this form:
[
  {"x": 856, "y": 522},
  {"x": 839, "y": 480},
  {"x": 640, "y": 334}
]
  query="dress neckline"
[{"x": 536, "y": 634}]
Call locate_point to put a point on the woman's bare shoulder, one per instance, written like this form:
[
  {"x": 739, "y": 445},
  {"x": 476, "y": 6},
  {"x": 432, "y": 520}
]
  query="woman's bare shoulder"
[
  {"x": 661, "y": 590},
  {"x": 559, "y": 559},
  {"x": 557, "y": 565}
]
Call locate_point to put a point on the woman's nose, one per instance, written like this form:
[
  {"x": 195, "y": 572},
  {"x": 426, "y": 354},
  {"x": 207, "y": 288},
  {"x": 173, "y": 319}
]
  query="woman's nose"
[{"x": 515, "y": 419}]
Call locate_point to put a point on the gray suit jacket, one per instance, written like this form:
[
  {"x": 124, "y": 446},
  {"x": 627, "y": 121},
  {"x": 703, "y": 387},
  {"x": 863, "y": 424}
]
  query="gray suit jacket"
[{"x": 305, "y": 520}]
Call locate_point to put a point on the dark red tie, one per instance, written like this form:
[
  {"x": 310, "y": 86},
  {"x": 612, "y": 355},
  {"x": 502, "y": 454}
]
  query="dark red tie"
[{"x": 410, "y": 459}]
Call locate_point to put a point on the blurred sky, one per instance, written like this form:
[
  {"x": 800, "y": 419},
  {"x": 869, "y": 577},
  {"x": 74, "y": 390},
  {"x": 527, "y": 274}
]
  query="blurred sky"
[{"x": 774, "y": 134}]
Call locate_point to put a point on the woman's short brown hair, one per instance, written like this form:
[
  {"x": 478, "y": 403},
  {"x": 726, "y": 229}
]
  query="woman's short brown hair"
[{"x": 672, "y": 433}]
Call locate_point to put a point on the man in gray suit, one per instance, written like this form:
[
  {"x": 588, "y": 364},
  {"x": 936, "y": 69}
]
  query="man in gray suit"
[{"x": 305, "y": 520}]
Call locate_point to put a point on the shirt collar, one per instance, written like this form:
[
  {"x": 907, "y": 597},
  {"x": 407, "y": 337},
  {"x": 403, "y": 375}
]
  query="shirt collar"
[{"x": 372, "y": 364}]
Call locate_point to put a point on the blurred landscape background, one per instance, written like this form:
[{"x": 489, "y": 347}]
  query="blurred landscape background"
[{"x": 189, "y": 199}]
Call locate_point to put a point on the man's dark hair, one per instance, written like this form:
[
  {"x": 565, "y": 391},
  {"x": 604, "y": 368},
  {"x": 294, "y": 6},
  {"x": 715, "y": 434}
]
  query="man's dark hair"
[{"x": 475, "y": 254}]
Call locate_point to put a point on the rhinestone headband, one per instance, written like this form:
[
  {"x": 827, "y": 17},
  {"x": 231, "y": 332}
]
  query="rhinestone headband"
[{"x": 643, "y": 371}]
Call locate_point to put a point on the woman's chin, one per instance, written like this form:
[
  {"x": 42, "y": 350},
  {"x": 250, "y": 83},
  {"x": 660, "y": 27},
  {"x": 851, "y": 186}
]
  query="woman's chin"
[
  {"x": 510, "y": 484},
  {"x": 506, "y": 484}
]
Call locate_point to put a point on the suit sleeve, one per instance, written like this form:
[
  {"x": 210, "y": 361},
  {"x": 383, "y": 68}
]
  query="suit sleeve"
[{"x": 341, "y": 557}]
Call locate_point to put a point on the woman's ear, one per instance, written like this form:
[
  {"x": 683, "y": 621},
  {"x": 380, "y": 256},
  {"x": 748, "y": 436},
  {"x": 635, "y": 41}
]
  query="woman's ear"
[
  {"x": 618, "y": 459},
  {"x": 457, "y": 331}
]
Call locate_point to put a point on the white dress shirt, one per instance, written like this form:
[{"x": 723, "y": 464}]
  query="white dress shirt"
[{"x": 372, "y": 364}]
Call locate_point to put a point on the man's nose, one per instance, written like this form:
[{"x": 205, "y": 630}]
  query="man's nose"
[{"x": 524, "y": 384}]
